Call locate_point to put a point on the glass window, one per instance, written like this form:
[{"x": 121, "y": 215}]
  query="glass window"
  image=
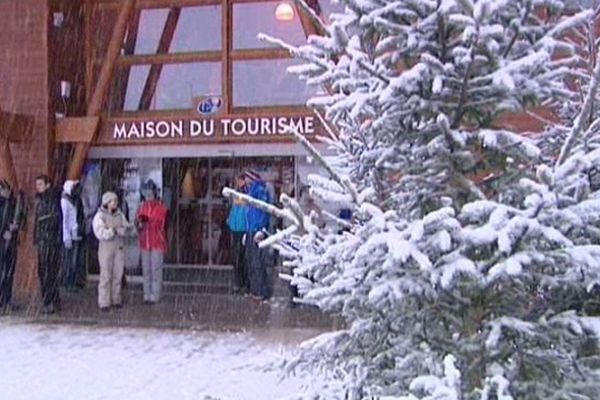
[
  {"x": 138, "y": 74},
  {"x": 250, "y": 19},
  {"x": 198, "y": 28},
  {"x": 176, "y": 88},
  {"x": 152, "y": 24},
  {"x": 180, "y": 83},
  {"x": 276, "y": 87}
]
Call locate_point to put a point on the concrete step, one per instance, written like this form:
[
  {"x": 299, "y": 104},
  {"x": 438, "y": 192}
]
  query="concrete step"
[{"x": 194, "y": 280}]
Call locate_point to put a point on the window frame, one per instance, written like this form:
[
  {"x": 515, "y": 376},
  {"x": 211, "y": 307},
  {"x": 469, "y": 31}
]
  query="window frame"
[{"x": 227, "y": 55}]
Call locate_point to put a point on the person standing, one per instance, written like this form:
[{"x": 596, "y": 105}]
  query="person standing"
[
  {"x": 10, "y": 226},
  {"x": 110, "y": 227},
  {"x": 237, "y": 223},
  {"x": 72, "y": 221},
  {"x": 152, "y": 222},
  {"x": 48, "y": 238},
  {"x": 257, "y": 220},
  {"x": 7, "y": 209}
]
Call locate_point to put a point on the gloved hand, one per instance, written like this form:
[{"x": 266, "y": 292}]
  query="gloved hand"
[
  {"x": 68, "y": 244},
  {"x": 75, "y": 234},
  {"x": 7, "y": 235}
]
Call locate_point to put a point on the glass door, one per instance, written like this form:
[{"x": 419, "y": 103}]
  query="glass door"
[{"x": 198, "y": 234}]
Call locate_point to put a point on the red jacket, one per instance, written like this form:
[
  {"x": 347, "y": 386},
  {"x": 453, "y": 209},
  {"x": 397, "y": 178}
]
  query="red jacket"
[{"x": 153, "y": 235}]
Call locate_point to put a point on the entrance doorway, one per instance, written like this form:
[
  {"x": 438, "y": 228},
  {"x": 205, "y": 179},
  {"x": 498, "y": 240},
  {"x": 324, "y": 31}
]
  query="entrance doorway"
[{"x": 192, "y": 190}]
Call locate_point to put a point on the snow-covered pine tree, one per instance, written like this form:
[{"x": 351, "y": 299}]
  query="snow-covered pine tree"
[
  {"x": 432, "y": 265},
  {"x": 393, "y": 67}
]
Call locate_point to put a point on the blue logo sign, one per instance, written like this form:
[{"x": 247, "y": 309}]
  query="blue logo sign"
[{"x": 210, "y": 105}]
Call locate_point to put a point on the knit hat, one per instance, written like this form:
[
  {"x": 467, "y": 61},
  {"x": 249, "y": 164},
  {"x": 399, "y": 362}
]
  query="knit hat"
[
  {"x": 108, "y": 197},
  {"x": 149, "y": 185},
  {"x": 253, "y": 175},
  {"x": 69, "y": 185}
]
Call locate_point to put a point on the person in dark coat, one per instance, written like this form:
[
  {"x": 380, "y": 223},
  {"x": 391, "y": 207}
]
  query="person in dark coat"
[
  {"x": 7, "y": 210},
  {"x": 12, "y": 220},
  {"x": 48, "y": 239}
]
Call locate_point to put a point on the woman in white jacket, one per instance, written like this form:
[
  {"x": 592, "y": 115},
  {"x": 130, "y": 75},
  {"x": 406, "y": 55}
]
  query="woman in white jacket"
[
  {"x": 71, "y": 232},
  {"x": 111, "y": 227}
]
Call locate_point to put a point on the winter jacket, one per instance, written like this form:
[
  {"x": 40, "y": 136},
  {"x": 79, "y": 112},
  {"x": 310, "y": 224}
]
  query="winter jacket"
[
  {"x": 19, "y": 215},
  {"x": 48, "y": 220},
  {"x": 237, "y": 220},
  {"x": 153, "y": 215},
  {"x": 72, "y": 216},
  {"x": 257, "y": 219},
  {"x": 111, "y": 227},
  {"x": 7, "y": 210}
]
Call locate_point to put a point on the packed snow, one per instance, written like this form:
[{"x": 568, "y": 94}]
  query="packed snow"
[{"x": 63, "y": 362}]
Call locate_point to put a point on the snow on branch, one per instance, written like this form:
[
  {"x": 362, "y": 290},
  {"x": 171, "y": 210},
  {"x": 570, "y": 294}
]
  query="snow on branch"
[
  {"x": 266, "y": 207},
  {"x": 582, "y": 120}
]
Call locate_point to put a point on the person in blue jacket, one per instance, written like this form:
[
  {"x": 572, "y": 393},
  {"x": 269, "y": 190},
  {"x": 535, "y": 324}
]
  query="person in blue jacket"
[
  {"x": 237, "y": 223},
  {"x": 256, "y": 221}
]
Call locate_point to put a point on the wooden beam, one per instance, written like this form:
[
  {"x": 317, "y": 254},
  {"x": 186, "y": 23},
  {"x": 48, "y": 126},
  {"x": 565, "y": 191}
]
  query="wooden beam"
[
  {"x": 179, "y": 58},
  {"x": 13, "y": 128},
  {"x": 274, "y": 110},
  {"x": 7, "y": 167},
  {"x": 122, "y": 75},
  {"x": 163, "y": 47},
  {"x": 175, "y": 3},
  {"x": 106, "y": 73},
  {"x": 227, "y": 47},
  {"x": 89, "y": 56},
  {"x": 259, "y": 54},
  {"x": 308, "y": 26},
  {"x": 76, "y": 130}
]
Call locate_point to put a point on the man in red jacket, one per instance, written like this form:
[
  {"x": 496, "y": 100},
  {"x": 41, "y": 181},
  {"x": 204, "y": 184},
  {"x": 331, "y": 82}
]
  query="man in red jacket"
[{"x": 152, "y": 222}]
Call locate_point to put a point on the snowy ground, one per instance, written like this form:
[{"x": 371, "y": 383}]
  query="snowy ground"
[{"x": 53, "y": 362}]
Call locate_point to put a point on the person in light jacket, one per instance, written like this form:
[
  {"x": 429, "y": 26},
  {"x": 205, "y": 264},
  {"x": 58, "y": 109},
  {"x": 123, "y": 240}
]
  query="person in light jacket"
[
  {"x": 110, "y": 227},
  {"x": 72, "y": 231},
  {"x": 152, "y": 223},
  {"x": 237, "y": 226}
]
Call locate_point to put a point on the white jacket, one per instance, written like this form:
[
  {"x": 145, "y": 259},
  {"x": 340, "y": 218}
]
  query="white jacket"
[
  {"x": 70, "y": 228},
  {"x": 111, "y": 226}
]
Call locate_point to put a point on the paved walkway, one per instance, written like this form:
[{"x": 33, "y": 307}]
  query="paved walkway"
[{"x": 198, "y": 311}]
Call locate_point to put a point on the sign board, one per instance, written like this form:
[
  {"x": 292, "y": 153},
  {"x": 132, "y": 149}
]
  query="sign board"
[{"x": 215, "y": 129}]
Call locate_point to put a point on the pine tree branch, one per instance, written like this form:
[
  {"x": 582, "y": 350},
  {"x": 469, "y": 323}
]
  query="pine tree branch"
[
  {"x": 582, "y": 118},
  {"x": 266, "y": 207},
  {"x": 343, "y": 182},
  {"x": 517, "y": 31},
  {"x": 458, "y": 114}
]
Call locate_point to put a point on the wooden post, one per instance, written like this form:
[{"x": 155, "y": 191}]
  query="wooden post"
[
  {"x": 163, "y": 47},
  {"x": 106, "y": 73},
  {"x": 7, "y": 167}
]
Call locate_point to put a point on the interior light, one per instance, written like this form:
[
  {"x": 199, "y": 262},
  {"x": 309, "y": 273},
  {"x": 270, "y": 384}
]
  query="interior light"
[{"x": 284, "y": 12}]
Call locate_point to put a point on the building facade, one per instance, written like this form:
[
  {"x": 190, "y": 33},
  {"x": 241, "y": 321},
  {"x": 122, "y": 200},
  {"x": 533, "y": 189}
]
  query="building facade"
[{"x": 183, "y": 92}]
